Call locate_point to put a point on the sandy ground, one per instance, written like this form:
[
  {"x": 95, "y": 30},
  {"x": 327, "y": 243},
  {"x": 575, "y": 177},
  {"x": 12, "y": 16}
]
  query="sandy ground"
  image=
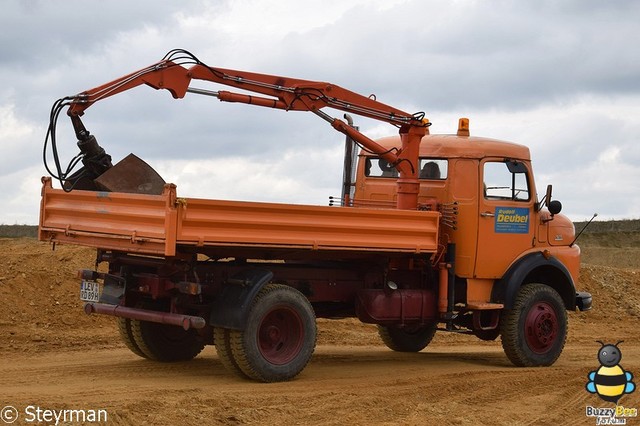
[{"x": 56, "y": 358}]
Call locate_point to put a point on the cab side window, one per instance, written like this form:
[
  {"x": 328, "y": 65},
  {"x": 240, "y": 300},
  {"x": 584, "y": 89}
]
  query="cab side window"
[
  {"x": 430, "y": 168},
  {"x": 433, "y": 168},
  {"x": 506, "y": 180},
  {"x": 378, "y": 167}
]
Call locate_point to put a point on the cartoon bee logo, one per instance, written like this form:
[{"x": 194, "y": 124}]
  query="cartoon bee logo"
[{"x": 610, "y": 381}]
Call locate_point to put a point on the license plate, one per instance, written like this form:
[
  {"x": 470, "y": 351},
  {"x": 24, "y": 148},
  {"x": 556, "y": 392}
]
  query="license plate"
[{"x": 89, "y": 291}]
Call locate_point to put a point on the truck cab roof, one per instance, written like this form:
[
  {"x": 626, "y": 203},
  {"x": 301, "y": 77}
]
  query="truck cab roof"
[{"x": 455, "y": 146}]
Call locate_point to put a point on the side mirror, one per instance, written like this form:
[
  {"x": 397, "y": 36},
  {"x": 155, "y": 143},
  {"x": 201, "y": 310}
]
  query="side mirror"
[
  {"x": 547, "y": 196},
  {"x": 545, "y": 200},
  {"x": 555, "y": 207}
]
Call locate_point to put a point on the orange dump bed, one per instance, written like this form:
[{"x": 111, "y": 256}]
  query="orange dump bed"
[{"x": 160, "y": 224}]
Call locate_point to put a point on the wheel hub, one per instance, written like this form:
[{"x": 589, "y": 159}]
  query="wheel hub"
[
  {"x": 281, "y": 335},
  {"x": 273, "y": 334},
  {"x": 541, "y": 327}
]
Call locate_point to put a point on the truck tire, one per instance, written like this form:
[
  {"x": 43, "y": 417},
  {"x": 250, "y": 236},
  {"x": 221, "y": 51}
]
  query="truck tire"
[
  {"x": 280, "y": 336},
  {"x": 534, "y": 331},
  {"x": 165, "y": 343},
  {"x": 221, "y": 337},
  {"x": 487, "y": 335},
  {"x": 126, "y": 335},
  {"x": 407, "y": 339}
]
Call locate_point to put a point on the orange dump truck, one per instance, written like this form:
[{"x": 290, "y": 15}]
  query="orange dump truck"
[{"x": 432, "y": 232}]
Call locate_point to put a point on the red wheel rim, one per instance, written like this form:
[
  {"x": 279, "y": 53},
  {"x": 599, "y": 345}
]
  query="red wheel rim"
[
  {"x": 541, "y": 327},
  {"x": 281, "y": 335}
]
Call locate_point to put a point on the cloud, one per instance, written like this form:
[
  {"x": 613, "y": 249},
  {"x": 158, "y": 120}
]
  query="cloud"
[
  {"x": 21, "y": 196},
  {"x": 15, "y": 133},
  {"x": 560, "y": 78},
  {"x": 300, "y": 176},
  {"x": 477, "y": 54},
  {"x": 38, "y": 33}
]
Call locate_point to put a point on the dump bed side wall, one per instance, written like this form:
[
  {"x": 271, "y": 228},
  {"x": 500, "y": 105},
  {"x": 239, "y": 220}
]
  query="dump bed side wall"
[
  {"x": 208, "y": 222},
  {"x": 156, "y": 224}
]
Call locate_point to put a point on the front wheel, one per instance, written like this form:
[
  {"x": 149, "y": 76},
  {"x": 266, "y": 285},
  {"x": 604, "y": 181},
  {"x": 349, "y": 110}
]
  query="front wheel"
[
  {"x": 535, "y": 329},
  {"x": 280, "y": 336}
]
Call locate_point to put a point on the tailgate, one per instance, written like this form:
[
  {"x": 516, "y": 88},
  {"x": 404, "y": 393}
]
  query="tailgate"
[{"x": 110, "y": 220}]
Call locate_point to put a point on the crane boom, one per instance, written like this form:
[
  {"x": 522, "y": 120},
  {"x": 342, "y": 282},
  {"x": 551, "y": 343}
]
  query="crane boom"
[{"x": 279, "y": 92}]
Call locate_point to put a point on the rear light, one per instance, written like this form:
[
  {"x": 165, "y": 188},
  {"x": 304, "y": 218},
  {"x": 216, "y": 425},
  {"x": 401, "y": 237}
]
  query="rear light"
[{"x": 88, "y": 275}]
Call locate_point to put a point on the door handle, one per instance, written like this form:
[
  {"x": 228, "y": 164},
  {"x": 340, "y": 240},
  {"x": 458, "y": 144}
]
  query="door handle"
[{"x": 487, "y": 214}]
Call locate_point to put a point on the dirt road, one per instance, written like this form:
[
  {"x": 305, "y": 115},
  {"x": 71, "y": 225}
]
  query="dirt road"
[
  {"x": 463, "y": 384},
  {"x": 56, "y": 358}
]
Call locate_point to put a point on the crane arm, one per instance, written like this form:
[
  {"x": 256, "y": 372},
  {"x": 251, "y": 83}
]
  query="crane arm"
[
  {"x": 289, "y": 93},
  {"x": 161, "y": 75},
  {"x": 279, "y": 92}
]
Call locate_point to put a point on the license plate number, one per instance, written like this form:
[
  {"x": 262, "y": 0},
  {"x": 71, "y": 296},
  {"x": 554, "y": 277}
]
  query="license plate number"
[{"x": 89, "y": 291}]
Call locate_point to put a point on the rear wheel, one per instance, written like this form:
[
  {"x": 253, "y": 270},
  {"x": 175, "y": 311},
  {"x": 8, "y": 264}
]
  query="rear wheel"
[
  {"x": 280, "y": 336},
  {"x": 166, "y": 343},
  {"x": 221, "y": 337},
  {"x": 126, "y": 334},
  {"x": 535, "y": 329},
  {"x": 407, "y": 338}
]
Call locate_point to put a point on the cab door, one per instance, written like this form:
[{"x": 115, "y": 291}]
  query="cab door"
[{"x": 506, "y": 210}]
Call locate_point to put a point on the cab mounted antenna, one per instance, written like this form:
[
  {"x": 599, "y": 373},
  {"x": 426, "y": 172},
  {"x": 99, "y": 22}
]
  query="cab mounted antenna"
[{"x": 585, "y": 227}]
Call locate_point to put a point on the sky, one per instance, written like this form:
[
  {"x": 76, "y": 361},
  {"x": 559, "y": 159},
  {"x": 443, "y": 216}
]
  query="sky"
[{"x": 560, "y": 76}]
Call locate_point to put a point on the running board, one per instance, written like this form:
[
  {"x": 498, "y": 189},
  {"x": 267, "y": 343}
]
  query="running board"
[{"x": 483, "y": 306}]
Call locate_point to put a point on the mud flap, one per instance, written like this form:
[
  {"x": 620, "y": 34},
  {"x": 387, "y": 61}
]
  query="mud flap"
[
  {"x": 231, "y": 308},
  {"x": 112, "y": 290}
]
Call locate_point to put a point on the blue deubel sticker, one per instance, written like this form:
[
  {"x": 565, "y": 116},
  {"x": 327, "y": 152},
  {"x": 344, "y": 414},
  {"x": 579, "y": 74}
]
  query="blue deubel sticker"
[{"x": 512, "y": 220}]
